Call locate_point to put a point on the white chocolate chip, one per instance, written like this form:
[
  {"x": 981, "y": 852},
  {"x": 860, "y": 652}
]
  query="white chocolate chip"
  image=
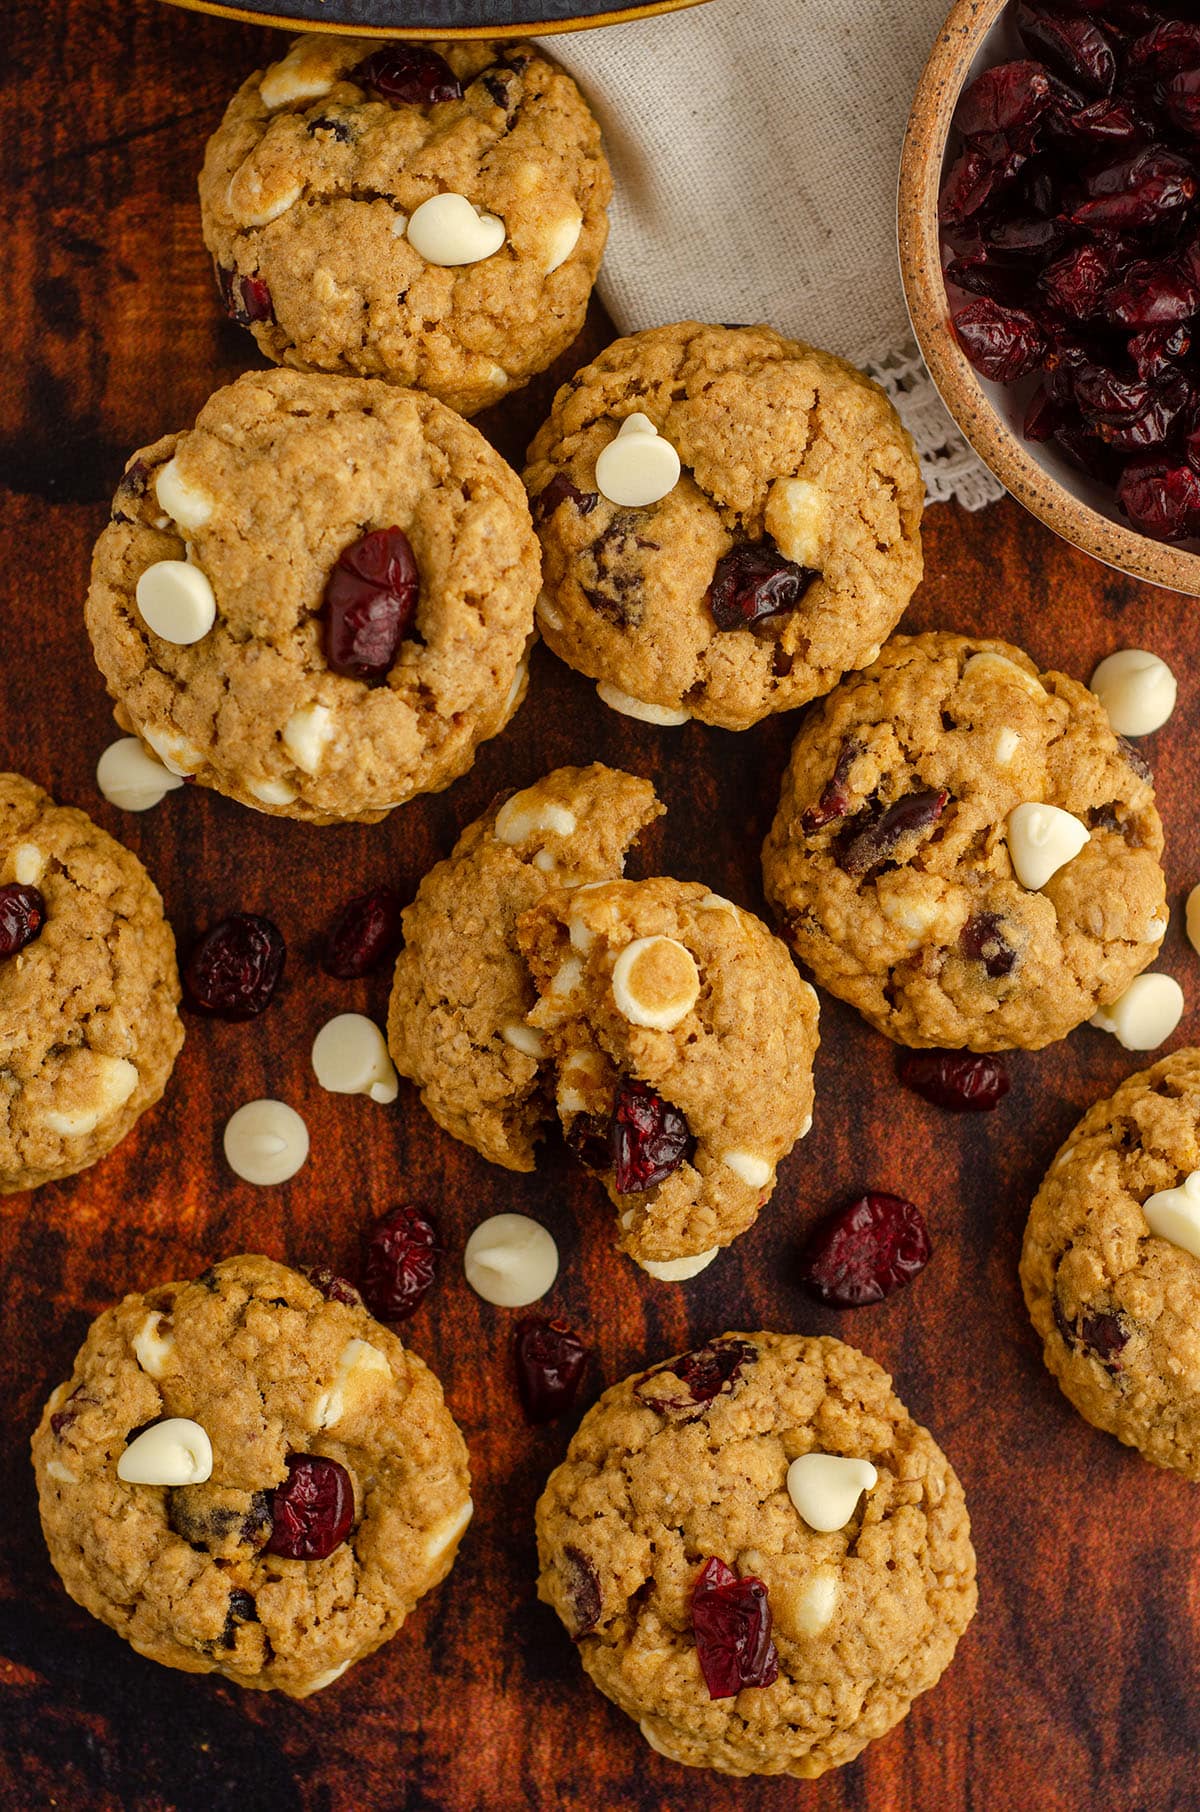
[
  {"x": 797, "y": 520},
  {"x": 1137, "y": 691},
  {"x": 753, "y": 1170},
  {"x": 624, "y": 702},
  {"x": 154, "y": 1343},
  {"x": 582, "y": 936},
  {"x": 448, "y": 1530},
  {"x": 561, "y": 240},
  {"x": 130, "y": 778},
  {"x": 399, "y": 225},
  {"x": 1041, "y": 840},
  {"x": 1192, "y": 918},
  {"x": 655, "y": 982},
  {"x": 826, "y": 1487},
  {"x": 1007, "y": 743},
  {"x": 545, "y": 861},
  {"x": 174, "y": 1452},
  {"x": 510, "y": 1260},
  {"x": 523, "y": 1038},
  {"x": 175, "y": 752},
  {"x": 449, "y": 230},
  {"x": 176, "y": 601},
  {"x": 524, "y": 814},
  {"x": 812, "y": 1609},
  {"x": 716, "y": 902},
  {"x": 518, "y": 680},
  {"x": 361, "y": 1371},
  {"x": 678, "y": 1270},
  {"x": 265, "y": 1142},
  {"x": 1147, "y": 1013},
  {"x": 805, "y": 1127},
  {"x": 350, "y": 1057},
  {"x": 184, "y": 503},
  {"x": 910, "y": 912},
  {"x": 571, "y": 1100},
  {"x": 1157, "y": 929},
  {"x": 28, "y": 864},
  {"x": 990, "y": 665},
  {"x": 567, "y": 976},
  {"x": 62, "y": 1474},
  {"x": 546, "y": 613},
  {"x": 638, "y": 467},
  {"x": 306, "y": 735},
  {"x": 113, "y": 1082},
  {"x": 272, "y": 792},
  {"x": 300, "y": 76},
  {"x": 253, "y": 206},
  {"x": 320, "y": 1681}
]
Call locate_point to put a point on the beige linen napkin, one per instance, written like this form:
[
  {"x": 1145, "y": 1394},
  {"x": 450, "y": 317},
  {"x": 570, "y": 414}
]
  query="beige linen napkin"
[{"x": 755, "y": 147}]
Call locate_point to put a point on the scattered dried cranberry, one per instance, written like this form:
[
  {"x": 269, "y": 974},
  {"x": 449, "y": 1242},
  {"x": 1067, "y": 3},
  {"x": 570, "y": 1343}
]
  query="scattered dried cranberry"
[
  {"x": 862, "y": 1253},
  {"x": 983, "y": 941},
  {"x": 753, "y": 583},
  {"x": 370, "y": 604},
  {"x": 835, "y": 799},
  {"x": 399, "y": 1263},
  {"x": 332, "y": 1287},
  {"x": 582, "y": 1584},
  {"x": 246, "y": 299},
  {"x": 561, "y": 490},
  {"x": 311, "y": 1512},
  {"x": 707, "y": 1373},
  {"x": 408, "y": 74},
  {"x": 648, "y": 1138},
  {"x": 550, "y": 1358},
  {"x": 365, "y": 932},
  {"x": 234, "y": 969},
  {"x": 873, "y": 835},
  {"x": 962, "y": 1081},
  {"x": 731, "y": 1620},
  {"x": 22, "y": 916}
]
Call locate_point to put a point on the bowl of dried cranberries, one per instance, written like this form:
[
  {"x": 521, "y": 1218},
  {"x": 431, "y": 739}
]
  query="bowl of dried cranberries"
[{"x": 1050, "y": 254}]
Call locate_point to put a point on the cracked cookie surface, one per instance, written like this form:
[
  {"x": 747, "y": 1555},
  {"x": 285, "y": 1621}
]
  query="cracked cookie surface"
[
  {"x": 89, "y": 1030},
  {"x": 781, "y": 445},
  {"x": 663, "y": 983},
  {"x": 657, "y": 1480},
  {"x": 282, "y": 473},
  {"x": 268, "y": 1367},
  {"x": 888, "y": 863},
  {"x": 1116, "y": 1307},
  {"x": 310, "y": 179},
  {"x": 456, "y": 1023}
]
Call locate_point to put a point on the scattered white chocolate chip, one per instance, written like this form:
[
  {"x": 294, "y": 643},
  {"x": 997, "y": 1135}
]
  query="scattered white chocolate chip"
[
  {"x": 638, "y": 467},
  {"x": 753, "y": 1170},
  {"x": 796, "y": 518},
  {"x": 130, "y": 778},
  {"x": 361, "y": 1373},
  {"x": 678, "y": 1270},
  {"x": 175, "y": 752},
  {"x": 187, "y": 506},
  {"x": 1174, "y": 1214},
  {"x": 306, "y": 734},
  {"x": 561, "y": 240},
  {"x": 1041, "y": 840},
  {"x": 628, "y": 706},
  {"x": 28, "y": 864},
  {"x": 265, "y": 1142},
  {"x": 272, "y": 792},
  {"x": 510, "y": 1260},
  {"x": 176, "y": 601},
  {"x": 299, "y": 76},
  {"x": 655, "y": 982},
  {"x": 154, "y": 1343},
  {"x": 814, "y": 1605},
  {"x": 350, "y": 1057},
  {"x": 1137, "y": 691},
  {"x": 1147, "y": 1013},
  {"x": 826, "y": 1487},
  {"x": 522, "y": 815},
  {"x": 1192, "y": 918},
  {"x": 1007, "y": 743},
  {"x": 62, "y": 1474},
  {"x": 113, "y": 1080},
  {"x": 448, "y": 1530},
  {"x": 989, "y": 664},
  {"x": 523, "y": 1038},
  {"x": 449, "y": 230},
  {"x": 174, "y": 1452}
]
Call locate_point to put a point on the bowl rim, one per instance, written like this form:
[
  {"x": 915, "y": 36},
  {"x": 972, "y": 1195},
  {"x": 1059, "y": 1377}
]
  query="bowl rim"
[
  {"x": 532, "y": 27},
  {"x": 954, "y": 378}
]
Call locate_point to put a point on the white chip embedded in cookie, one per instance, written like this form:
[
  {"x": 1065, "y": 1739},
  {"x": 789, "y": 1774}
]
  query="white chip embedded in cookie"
[
  {"x": 446, "y": 229},
  {"x": 655, "y": 982},
  {"x": 1041, "y": 840},
  {"x": 639, "y": 467},
  {"x": 826, "y": 1488},
  {"x": 176, "y": 1451}
]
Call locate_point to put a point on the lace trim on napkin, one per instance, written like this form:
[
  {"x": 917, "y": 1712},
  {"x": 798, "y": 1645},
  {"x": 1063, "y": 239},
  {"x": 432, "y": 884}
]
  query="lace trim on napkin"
[{"x": 951, "y": 468}]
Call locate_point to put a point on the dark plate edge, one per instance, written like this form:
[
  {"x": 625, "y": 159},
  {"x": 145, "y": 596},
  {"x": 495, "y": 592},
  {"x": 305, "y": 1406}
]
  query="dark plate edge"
[{"x": 528, "y": 28}]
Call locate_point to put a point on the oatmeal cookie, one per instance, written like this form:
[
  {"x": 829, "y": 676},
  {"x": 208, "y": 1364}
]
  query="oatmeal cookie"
[
  {"x": 305, "y": 1488},
  {"x": 782, "y": 556},
  {"x": 89, "y": 1031},
  {"x": 318, "y": 599},
  {"x": 682, "y": 1040},
  {"x": 689, "y": 1470},
  {"x": 456, "y": 1024},
  {"x": 315, "y": 198},
  {"x": 1111, "y": 1264},
  {"x": 907, "y": 859}
]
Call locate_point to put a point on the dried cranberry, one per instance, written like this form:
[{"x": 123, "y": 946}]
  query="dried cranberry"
[
  {"x": 1002, "y": 343},
  {"x": 1043, "y": 416},
  {"x": 707, "y": 1373},
  {"x": 242, "y": 1609},
  {"x": 1182, "y": 98},
  {"x": 1073, "y": 47},
  {"x": 234, "y": 969},
  {"x": 1101, "y": 123},
  {"x": 63, "y": 1418},
  {"x": 370, "y": 604},
  {"x": 561, "y": 490},
  {"x": 311, "y": 1512},
  {"x": 332, "y": 1287},
  {"x": 588, "y": 1142},
  {"x": 1076, "y": 282},
  {"x": 865, "y": 1251},
  {"x": 987, "y": 166},
  {"x": 1175, "y": 44},
  {"x": 753, "y": 583},
  {"x": 648, "y": 1138},
  {"x": 365, "y": 932},
  {"x": 1137, "y": 191},
  {"x": 1153, "y": 293},
  {"x": 1007, "y": 95},
  {"x": 1098, "y": 1332},
  {"x": 873, "y": 835},
  {"x": 399, "y": 1263},
  {"x": 1161, "y": 499},
  {"x": 982, "y": 939},
  {"x": 731, "y": 1621},
  {"x": 246, "y": 299},
  {"x": 550, "y": 1358},
  {"x": 22, "y": 916},
  {"x": 408, "y": 74},
  {"x": 836, "y": 797},
  {"x": 958, "y": 1080},
  {"x": 1020, "y": 238},
  {"x": 582, "y": 1583},
  {"x": 1158, "y": 351},
  {"x": 981, "y": 275}
]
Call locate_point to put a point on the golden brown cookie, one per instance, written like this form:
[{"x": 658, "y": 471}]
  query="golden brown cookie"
[
  {"x": 369, "y": 571},
  {"x": 683, "y": 1472},
  {"x": 899, "y": 860},
  {"x": 781, "y": 557},
  {"x": 315, "y": 200},
  {"x": 305, "y": 1487},
  {"x": 456, "y": 1024},
  {"x": 1111, "y": 1264},
  {"x": 88, "y": 989}
]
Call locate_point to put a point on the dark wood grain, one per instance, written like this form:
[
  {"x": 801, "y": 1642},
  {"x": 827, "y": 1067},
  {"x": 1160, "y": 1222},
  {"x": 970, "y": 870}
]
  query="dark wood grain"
[{"x": 1078, "y": 1685}]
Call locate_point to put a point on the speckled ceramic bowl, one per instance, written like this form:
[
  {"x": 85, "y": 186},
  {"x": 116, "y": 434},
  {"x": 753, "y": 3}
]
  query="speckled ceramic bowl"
[{"x": 977, "y": 33}]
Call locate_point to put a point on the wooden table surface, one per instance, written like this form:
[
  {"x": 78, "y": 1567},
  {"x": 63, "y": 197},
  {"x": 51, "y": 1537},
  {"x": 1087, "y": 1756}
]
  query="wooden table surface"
[{"x": 1077, "y": 1688}]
